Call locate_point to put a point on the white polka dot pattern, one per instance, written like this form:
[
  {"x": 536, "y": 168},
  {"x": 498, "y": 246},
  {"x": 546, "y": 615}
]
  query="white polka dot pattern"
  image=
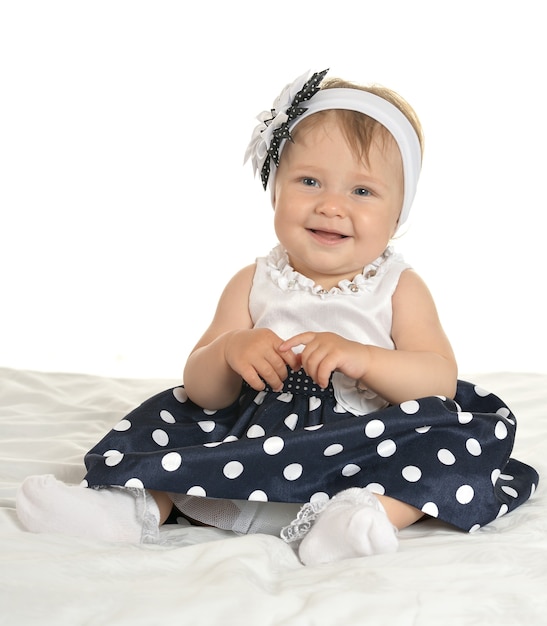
[
  {"x": 446, "y": 458},
  {"x": 171, "y": 461},
  {"x": 233, "y": 469}
]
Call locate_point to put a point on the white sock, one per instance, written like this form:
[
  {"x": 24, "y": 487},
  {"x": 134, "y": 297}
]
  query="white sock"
[
  {"x": 352, "y": 524},
  {"x": 46, "y": 505}
]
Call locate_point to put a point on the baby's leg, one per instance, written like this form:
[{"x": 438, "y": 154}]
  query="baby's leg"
[
  {"x": 164, "y": 504},
  {"x": 355, "y": 523},
  {"x": 46, "y": 505},
  {"x": 400, "y": 514}
]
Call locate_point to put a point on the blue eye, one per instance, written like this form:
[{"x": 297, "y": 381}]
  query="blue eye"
[
  {"x": 361, "y": 191},
  {"x": 309, "y": 182}
]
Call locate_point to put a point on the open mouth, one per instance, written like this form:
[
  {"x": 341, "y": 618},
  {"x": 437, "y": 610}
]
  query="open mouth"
[{"x": 328, "y": 235}]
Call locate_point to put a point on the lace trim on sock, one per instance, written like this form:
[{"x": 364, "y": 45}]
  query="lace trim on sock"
[
  {"x": 147, "y": 511},
  {"x": 300, "y": 526}
]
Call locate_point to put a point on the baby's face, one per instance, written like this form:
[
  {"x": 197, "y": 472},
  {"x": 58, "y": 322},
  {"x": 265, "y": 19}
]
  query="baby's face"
[{"x": 334, "y": 213}]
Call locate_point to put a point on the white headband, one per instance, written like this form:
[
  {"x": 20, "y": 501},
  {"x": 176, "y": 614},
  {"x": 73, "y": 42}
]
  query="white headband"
[{"x": 270, "y": 135}]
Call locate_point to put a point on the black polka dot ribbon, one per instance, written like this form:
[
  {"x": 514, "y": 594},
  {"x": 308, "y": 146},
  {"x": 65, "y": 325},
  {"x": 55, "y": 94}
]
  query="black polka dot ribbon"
[{"x": 282, "y": 132}]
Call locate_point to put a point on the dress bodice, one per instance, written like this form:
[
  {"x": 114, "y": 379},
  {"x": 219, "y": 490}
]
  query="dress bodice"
[{"x": 359, "y": 310}]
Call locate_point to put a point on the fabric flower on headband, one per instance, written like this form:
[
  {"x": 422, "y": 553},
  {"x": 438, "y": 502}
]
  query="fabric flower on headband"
[{"x": 275, "y": 124}]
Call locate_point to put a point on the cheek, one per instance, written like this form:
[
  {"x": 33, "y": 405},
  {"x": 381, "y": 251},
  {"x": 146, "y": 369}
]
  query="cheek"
[
  {"x": 273, "y": 195},
  {"x": 283, "y": 221},
  {"x": 277, "y": 218},
  {"x": 280, "y": 204}
]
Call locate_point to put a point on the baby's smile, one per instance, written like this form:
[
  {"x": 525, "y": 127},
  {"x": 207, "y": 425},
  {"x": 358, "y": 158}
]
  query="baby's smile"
[{"x": 328, "y": 235}]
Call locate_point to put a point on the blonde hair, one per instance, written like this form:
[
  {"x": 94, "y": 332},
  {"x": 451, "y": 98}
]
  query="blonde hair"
[{"x": 359, "y": 129}]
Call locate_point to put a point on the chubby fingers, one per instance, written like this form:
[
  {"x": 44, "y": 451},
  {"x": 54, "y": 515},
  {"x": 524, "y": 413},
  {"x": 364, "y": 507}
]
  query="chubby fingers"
[
  {"x": 291, "y": 359},
  {"x": 264, "y": 372},
  {"x": 314, "y": 358},
  {"x": 297, "y": 340}
]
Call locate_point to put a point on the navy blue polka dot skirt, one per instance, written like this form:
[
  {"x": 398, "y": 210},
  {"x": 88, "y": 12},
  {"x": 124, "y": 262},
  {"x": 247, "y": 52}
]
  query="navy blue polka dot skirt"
[{"x": 449, "y": 458}]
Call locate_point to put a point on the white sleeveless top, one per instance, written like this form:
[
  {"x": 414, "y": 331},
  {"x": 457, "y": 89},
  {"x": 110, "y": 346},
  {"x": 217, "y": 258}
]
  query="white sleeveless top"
[{"x": 289, "y": 303}]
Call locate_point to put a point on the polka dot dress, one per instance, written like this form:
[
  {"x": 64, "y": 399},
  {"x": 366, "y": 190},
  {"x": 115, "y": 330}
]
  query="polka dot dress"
[{"x": 451, "y": 459}]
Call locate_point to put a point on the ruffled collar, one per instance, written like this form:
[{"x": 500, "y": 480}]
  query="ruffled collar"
[{"x": 287, "y": 279}]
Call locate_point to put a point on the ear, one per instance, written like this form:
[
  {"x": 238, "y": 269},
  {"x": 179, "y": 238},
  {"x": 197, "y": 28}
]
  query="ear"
[{"x": 395, "y": 229}]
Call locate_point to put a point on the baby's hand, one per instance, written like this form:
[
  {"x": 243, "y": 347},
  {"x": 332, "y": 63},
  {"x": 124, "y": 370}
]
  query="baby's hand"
[
  {"x": 325, "y": 353},
  {"x": 254, "y": 355}
]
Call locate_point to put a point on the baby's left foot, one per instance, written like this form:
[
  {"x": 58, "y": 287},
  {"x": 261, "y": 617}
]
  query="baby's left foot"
[{"x": 352, "y": 524}]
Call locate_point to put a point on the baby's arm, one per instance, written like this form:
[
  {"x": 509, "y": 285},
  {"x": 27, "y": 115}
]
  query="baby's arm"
[
  {"x": 422, "y": 364},
  {"x": 231, "y": 351}
]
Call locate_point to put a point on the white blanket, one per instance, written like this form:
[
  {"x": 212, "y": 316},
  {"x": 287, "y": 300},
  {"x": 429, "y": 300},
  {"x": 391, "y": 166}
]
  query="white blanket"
[{"x": 48, "y": 421}]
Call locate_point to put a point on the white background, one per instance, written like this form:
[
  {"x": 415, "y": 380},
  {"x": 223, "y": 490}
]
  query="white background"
[{"x": 125, "y": 206}]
